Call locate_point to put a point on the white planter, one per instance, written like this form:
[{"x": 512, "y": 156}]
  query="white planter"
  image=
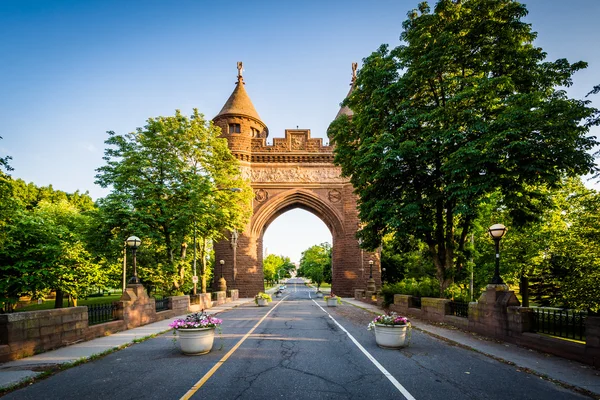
[
  {"x": 319, "y": 294},
  {"x": 390, "y": 336},
  {"x": 262, "y": 302},
  {"x": 196, "y": 341},
  {"x": 332, "y": 302}
]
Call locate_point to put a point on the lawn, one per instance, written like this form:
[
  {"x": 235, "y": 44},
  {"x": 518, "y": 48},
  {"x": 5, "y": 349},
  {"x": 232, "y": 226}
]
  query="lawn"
[{"x": 49, "y": 304}]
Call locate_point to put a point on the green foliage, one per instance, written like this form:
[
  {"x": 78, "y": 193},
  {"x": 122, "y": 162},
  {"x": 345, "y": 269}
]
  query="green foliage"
[
  {"x": 425, "y": 287},
  {"x": 45, "y": 244},
  {"x": 405, "y": 258},
  {"x": 466, "y": 108},
  {"x": 277, "y": 266},
  {"x": 559, "y": 254},
  {"x": 169, "y": 180},
  {"x": 4, "y": 163},
  {"x": 263, "y": 296},
  {"x": 315, "y": 263}
]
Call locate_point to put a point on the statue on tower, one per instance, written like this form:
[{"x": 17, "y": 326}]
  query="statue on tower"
[
  {"x": 354, "y": 68},
  {"x": 239, "y": 67}
]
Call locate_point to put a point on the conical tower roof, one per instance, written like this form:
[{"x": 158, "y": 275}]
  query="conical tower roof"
[
  {"x": 345, "y": 110},
  {"x": 239, "y": 102}
]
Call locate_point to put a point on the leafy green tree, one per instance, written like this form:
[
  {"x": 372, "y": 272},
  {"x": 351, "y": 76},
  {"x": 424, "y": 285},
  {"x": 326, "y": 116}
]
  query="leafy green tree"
[
  {"x": 557, "y": 257},
  {"x": 315, "y": 263},
  {"x": 271, "y": 264},
  {"x": 47, "y": 249},
  {"x": 277, "y": 266},
  {"x": 4, "y": 163},
  {"x": 167, "y": 181},
  {"x": 465, "y": 108}
]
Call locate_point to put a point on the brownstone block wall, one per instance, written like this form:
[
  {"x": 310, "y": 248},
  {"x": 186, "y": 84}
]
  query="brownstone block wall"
[{"x": 28, "y": 333}]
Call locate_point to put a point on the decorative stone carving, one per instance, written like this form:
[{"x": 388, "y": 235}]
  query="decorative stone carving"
[
  {"x": 298, "y": 175},
  {"x": 261, "y": 195},
  {"x": 298, "y": 142},
  {"x": 335, "y": 196}
]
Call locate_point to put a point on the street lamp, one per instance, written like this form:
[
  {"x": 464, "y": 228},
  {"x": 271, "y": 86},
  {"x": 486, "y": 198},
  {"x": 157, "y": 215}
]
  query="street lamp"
[
  {"x": 222, "y": 282},
  {"x": 371, "y": 282},
  {"x": 234, "y": 239},
  {"x": 195, "y": 277},
  {"x": 134, "y": 242},
  {"x": 362, "y": 261},
  {"x": 497, "y": 231}
]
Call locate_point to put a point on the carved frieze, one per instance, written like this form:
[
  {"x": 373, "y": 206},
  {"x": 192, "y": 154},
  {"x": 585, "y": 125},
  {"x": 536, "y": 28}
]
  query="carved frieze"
[{"x": 298, "y": 175}]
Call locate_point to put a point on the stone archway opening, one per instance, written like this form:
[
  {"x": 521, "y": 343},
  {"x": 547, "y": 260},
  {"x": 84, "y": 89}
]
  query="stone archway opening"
[{"x": 294, "y": 232}]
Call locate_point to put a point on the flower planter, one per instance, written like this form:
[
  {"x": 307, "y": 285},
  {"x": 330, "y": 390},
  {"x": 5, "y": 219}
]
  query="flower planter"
[
  {"x": 196, "y": 341},
  {"x": 319, "y": 294},
  {"x": 262, "y": 302},
  {"x": 332, "y": 302},
  {"x": 391, "y": 336}
]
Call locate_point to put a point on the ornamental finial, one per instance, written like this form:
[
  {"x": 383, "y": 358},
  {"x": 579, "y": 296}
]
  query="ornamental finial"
[
  {"x": 354, "y": 67},
  {"x": 240, "y": 66}
]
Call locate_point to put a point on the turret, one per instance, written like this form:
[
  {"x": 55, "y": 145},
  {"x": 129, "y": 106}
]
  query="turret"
[
  {"x": 345, "y": 110},
  {"x": 239, "y": 120}
]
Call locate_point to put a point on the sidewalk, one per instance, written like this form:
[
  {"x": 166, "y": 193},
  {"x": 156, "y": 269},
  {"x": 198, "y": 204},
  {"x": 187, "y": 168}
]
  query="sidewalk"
[
  {"x": 567, "y": 372},
  {"x": 13, "y": 372}
]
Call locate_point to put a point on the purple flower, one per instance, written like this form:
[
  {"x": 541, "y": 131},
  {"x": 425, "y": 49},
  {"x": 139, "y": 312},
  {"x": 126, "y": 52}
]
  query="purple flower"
[{"x": 196, "y": 320}]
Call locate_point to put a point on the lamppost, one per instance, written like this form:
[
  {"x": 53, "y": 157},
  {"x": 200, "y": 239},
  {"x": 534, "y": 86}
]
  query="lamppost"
[
  {"x": 371, "y": 281},
  {"x": 134, "y": 242},
  {"x": 362, "y": 261},
  {"x": 195, "y": 277},
  {"x": 234, "y": 239},
  {"x": 222, "y": 282},
  {"x": 497, "y": 231}
]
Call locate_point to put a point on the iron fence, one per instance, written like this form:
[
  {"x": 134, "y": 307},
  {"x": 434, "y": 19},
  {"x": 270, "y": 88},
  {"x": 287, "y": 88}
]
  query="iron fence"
[
  {"x": 568, "y": 324},
  {"x": 100, "y": 313},
  {"x": 416, "y": 302},
  {"x": 459, "y": 309},
  {"x": 162, "y": 304}
]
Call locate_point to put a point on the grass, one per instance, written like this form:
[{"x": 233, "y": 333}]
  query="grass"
[{"x": 49, "y": 304}]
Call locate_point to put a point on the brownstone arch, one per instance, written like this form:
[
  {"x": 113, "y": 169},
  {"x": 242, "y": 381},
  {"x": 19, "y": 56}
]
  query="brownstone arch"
[{"x": 296, "y": 171}]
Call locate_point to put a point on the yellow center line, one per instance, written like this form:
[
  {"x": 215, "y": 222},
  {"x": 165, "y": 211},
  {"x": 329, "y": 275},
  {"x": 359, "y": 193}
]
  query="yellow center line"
[{"x": 214, "y": 369}]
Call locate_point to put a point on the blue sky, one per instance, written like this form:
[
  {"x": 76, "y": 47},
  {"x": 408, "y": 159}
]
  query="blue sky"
[{"x": 72, "y": 70}]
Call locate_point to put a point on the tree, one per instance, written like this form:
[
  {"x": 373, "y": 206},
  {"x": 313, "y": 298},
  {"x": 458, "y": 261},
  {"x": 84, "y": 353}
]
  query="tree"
[
  {"x": 465, "y": 108},
  {"x": 558, "y": 255},
  {"x": 47, "y": 249},
  {"x": 315, "y": 263},
  {"x": 277, "y": 267},
  {"x": 271, "y": 265},
  {"x": 167, "y": 180}
]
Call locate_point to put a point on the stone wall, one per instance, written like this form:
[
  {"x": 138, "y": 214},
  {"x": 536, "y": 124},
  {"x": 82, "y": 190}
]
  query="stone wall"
[
  {"x": 498, "y": 314},
  {"x": 24, "y": 334},
  {"x": 28, "y": 333}
]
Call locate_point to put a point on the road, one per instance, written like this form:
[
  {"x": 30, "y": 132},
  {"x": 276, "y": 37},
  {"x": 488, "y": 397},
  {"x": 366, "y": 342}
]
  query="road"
[{"x": 297, "y": 348}]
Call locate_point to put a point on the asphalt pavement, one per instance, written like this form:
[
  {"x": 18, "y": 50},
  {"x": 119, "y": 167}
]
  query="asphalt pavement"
[{"x": 299, "y": 348}]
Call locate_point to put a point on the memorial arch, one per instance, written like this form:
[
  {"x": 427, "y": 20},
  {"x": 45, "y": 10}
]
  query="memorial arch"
[{"x": 295, "y": 171}]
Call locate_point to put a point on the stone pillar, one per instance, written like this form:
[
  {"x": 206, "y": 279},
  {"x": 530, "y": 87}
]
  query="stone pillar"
[
  {"x": 489, "y": 315},
  {"x": 136, "y": 307},
  {"x": 592, "y": 342}
]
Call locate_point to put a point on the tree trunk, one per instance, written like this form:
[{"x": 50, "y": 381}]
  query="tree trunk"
[
  {"x": 58, "y": 301},
  {"x": 524, "y": 289}
]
